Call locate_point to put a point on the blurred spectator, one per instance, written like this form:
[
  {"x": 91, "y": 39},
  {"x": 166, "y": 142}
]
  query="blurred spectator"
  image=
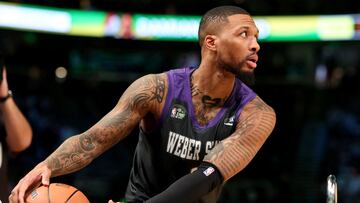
[{"x": 18, "y": 133}]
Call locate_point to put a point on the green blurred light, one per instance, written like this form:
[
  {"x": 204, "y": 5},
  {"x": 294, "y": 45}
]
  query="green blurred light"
[
  {"x": 168, "y": 27},
  {"x": 336, "y": 27},
  {"x": 87, "y": 23}
]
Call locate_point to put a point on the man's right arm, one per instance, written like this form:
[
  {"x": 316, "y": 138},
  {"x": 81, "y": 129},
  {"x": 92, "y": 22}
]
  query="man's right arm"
[{"x": 144, "y": 96}]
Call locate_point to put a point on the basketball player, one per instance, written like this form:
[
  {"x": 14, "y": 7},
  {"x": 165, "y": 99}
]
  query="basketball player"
[
  {"x": 18, "y": 131},
  {"x": 198, "y": 126}
]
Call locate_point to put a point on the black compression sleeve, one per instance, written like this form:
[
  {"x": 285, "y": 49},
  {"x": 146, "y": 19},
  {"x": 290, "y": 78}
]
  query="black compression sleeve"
[{"x": 191, "y": 187}]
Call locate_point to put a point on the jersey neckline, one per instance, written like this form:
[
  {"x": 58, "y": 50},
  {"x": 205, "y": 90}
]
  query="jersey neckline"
[{"x": 190, "y": 104}]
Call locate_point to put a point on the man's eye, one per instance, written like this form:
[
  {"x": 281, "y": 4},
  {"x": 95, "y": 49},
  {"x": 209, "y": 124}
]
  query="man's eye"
[{"x": 243, "y": 34}]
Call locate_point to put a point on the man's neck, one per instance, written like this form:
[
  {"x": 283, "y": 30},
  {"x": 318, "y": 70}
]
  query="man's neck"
[{"x": 212, "y": 85}]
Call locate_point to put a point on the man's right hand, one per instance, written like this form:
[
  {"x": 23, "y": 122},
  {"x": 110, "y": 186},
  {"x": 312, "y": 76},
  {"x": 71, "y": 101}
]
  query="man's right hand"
[{"x": 39, "y": 175}]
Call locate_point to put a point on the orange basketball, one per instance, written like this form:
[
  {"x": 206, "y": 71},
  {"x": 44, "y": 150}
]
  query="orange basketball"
[{"x": 56, "y": 193}]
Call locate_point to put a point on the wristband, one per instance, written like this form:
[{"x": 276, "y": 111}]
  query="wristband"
[{"x": 191, "y": 187}]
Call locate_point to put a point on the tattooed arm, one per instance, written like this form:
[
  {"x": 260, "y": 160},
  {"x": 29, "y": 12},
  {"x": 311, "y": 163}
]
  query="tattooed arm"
[
  {"x": 228, "y": 157},
  {"x": 142, "y": 97},
  {"x": 233, "y": 154}
]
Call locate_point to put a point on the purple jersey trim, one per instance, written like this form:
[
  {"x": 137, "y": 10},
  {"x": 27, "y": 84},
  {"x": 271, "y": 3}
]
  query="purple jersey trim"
[
  {"x": 179, "y": 87},
  {"x": 169, "y": 95},
  {"x": 247, "y": 96},
  {"x": 188, "y": 97}
]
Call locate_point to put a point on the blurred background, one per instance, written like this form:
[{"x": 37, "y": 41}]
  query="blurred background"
[{"x": 66, "y": 79}]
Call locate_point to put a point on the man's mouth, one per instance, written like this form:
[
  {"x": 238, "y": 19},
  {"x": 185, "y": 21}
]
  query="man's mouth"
[{"x": 252, "y": 60}]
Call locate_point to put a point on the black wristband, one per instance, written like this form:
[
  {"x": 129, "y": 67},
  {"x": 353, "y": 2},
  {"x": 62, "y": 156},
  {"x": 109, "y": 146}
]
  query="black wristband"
[
  {"x": 3, "y": 99},
  {"x": 191, "y": 187}
]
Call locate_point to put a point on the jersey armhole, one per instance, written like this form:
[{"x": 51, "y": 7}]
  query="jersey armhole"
[
  {"x": 239, "y": 110},
  {"x": 169, "y": 95}
]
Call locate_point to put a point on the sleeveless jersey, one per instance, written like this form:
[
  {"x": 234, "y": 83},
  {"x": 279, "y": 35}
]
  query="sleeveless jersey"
[{"x": 179, "y": 143}]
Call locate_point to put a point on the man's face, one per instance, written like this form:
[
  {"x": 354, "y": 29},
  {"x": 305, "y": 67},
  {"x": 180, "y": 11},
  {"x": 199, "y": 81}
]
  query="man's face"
[{"x": 237, "y": 47}]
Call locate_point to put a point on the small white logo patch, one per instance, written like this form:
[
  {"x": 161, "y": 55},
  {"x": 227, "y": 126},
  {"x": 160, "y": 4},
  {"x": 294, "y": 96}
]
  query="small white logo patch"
[
  {"x": 229, "y": 121},
  {"x": 209, "y": 171}
]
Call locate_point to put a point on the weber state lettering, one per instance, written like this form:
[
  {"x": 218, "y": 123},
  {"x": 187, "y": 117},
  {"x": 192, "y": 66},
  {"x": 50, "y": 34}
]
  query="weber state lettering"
[
  {"x": 185, "y": 147},
  {"x": 178, "y": 144}
]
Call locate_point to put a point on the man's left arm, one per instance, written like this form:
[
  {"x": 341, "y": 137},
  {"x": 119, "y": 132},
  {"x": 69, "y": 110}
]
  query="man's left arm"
[
  {"x": 226, "y": 159},
  {"x": 254, "y": 126}
]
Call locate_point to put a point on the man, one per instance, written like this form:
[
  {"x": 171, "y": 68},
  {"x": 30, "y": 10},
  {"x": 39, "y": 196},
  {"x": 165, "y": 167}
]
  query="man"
[
  {"x": 18, "y": 131},
  {"x": 198, "y": 127}
]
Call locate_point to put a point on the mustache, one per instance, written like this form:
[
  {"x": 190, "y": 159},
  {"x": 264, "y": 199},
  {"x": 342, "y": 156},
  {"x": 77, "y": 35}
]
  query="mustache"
[{"x": 252, "y": 57}]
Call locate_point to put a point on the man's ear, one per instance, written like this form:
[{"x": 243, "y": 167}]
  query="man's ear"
[{"x": 210, "y": 42}]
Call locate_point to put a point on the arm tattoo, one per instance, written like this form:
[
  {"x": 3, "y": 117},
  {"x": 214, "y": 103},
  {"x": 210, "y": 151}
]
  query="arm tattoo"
[
  {"x": 86, "y": 143},
  {"x": 235, "y": 152},
  {"x": 78, "y": 151},
  {"x": 146, "y": 92},
  {"x": 159, "y": 90},
  {"x": 69, "y": 156}
]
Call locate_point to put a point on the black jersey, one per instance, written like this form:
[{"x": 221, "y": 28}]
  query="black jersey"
[{"x": 179, "y": 143}]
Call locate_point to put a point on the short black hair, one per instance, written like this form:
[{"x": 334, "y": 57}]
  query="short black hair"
[{"x": 217, "y": 15}]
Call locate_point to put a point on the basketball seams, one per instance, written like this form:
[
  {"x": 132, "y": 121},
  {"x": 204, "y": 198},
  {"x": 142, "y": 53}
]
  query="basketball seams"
[
  {"x": 71, "y": 195},
  {"x": 49, "y": 193},
  {"x": 56, "y": 192}
]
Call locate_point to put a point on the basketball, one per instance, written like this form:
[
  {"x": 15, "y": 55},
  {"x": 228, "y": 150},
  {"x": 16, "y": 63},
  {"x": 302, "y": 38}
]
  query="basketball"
[{"x": 56, "y": 193}]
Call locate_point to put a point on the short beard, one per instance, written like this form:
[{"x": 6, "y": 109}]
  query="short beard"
[{"x": 246, "y": 77}]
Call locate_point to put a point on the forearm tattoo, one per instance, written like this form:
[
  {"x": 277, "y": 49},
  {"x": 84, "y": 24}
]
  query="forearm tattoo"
[
  {"x": 70, "y": 154},
  {"x": 234, "y": 153},
  {"x": 78, "y": 151}
]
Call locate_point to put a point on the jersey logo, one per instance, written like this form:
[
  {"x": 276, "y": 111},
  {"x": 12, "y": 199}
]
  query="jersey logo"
[
  {"x": 188, "y": 148},
  {"x": 229, "y": 121},
  {"x": 178, "y": 112},
  {"x": 209, "y": 171},
  {"x": 183, "y": 146}
]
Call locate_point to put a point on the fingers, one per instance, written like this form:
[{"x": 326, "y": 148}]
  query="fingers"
[
  {"x": 25, "y": 186},
  {"x": 45, "y": 180},
  {"x": 13, "y": 196},
  {"x": 11, "y": 199},
  {"x": 33, "y": 179}
]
